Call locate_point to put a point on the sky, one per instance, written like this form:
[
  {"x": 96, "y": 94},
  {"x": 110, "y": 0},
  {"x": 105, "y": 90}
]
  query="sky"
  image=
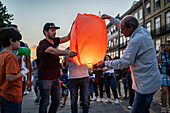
[{"x": 31, "y": 15}]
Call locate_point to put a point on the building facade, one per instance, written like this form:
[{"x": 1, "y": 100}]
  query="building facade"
[{"x": 154, "y": 15}]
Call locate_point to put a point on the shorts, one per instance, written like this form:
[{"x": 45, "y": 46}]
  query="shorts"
[
  {"x": 64, "y": 91},
  {"x": 165, "y": 80}
]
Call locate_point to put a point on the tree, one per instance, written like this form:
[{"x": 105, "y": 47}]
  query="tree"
[{"x": 5, "y": 17}]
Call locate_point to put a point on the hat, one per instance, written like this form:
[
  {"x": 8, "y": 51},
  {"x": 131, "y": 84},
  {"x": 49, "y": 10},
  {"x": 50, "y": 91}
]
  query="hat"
[{"x": 47, "y": 26}]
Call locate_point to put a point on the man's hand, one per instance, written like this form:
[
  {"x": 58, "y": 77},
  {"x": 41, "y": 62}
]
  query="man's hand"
[
  {"x": 104, "y": 16},
  {"x": 71, "y": 53},
  {"x": 102, "y": 64}
]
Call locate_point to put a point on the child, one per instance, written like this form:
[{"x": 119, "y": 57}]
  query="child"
[
  {"x": 10, "y": 74},
  {"x": 64, "y": 83}
]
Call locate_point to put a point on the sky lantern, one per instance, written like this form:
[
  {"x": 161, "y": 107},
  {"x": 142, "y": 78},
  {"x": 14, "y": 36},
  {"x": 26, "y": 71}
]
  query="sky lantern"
[{"x": 88, "y": 39}]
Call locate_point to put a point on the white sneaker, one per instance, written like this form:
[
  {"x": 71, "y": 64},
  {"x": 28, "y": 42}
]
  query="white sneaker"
[
  {"x": 99, "y": 99},
  {"x": 26, "y": 92},
  {"x": 130, "y": 107},
  {"x": 107, "y": 100},
  {"x": 94, "y": 98},
  {"x": 116, "y": 101},
  {"x": 163, "y": 110}
]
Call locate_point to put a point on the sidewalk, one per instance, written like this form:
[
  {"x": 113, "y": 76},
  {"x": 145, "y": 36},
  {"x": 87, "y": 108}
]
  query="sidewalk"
[{"x": 29, "y": 106}]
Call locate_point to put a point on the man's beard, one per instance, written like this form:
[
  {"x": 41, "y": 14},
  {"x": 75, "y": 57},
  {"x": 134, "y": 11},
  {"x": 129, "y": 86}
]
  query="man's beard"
[{"x": 50, "y": 37}]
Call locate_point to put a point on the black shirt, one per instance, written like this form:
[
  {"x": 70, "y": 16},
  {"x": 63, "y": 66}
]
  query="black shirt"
[{"x": 48, "y": 64}]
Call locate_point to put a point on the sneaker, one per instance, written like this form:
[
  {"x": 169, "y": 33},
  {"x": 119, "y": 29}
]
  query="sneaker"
[
  {"x": 99, "y": 99},
  {"x": 163, "y": 110},
  {"x": 36, "y": 101},
  {"x": 116, "y": 101},
  {"x": 168, "y": 110},
  {"x": 62, "y": 105},
  {"x": 89, "y": 104},
  {"x": 94, "y": 99},
  {"x": 26, "y": 92},
  {"x": 107, "y": 100},
  {"x": 130, "y": 107}
]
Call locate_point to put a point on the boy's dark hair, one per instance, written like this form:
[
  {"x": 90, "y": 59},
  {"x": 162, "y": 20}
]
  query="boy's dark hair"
[{"x": 9, "y": 33}]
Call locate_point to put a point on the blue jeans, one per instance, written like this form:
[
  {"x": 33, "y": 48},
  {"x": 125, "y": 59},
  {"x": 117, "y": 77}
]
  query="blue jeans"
[
  {"x": 36, "y": 89},
  {"x": 110, "y": 82},
  {"x": 75, "y": 84},
  {"x": 9, "y": 107},
  {"x": 142, "y": 103},
  {"x": 101, "y": 81},
  {"x": 47, "y": 88}
]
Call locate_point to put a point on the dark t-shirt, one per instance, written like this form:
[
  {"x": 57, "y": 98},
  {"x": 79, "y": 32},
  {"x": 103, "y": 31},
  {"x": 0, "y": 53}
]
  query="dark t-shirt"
[{"x": 48, "y": 64}]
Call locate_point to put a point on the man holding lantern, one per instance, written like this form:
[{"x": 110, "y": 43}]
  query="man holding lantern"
[{"x": 140, "y": 55}]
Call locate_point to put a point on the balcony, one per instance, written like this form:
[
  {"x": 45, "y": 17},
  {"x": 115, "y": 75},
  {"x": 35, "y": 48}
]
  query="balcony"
[{"x": 161, "y": 31}]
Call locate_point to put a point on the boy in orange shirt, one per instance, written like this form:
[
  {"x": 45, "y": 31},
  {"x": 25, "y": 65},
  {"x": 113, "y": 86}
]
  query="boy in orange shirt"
[{"x": 10, "y": 74}]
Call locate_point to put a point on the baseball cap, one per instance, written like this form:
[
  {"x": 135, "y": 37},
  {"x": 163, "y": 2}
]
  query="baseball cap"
[{"x": 47, "y": 26}]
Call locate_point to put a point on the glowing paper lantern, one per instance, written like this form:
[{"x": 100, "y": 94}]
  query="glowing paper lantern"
[{"x": 88, "y": 39}]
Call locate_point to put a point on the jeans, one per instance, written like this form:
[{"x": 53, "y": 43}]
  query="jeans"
[
  {"x": 75, "y": 84},
  {"x": 36, "y": 89},
  {"x": 9, "y": 107},
  {"x": 47, "y": 88},
  {"x": 110, "y": 82},
  {"x": 142, "y": 103},
  {"x": 101, "y": 81},
  {"x": 131, "y": 91}
]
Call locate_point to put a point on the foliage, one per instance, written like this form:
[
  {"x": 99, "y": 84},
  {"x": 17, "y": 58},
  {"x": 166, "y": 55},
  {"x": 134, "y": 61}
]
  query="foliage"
[{"x": 5, "y": 17}]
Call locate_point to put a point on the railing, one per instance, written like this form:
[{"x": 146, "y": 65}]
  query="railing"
[{"x": 161, "y": 30}]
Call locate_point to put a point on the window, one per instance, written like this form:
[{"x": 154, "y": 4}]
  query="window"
[
  {"x": 157, "y": 25},
  {"x": 124, "y": 40},
  {"x": 121, "y": 40},
  {"x": 140, "y": 14},
  {"x": 158, "y": 43},
  {"x": 109, "y": 44},
  {"x": 128, "y": 38},
  {"x": 116, "y": 53},
  {"x": 167, "y": 38},
  {"x": 148, "y": 26},
  {"x": 148, "y": 8},
  {"x": 166, "y": 1},
  {"x": 168, "y": 20},
  {"x": 136, "y": 15},
  {"x": 156, "y": 4}
]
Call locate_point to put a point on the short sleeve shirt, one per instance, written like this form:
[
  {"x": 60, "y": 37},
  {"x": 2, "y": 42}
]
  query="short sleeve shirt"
[
  {"x": 48, "y": 64},
  {"x": 12, "y": 91}
]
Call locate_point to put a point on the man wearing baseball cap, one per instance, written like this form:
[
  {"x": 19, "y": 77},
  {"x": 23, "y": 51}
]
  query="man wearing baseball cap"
[{"x": 48, "y": 67}]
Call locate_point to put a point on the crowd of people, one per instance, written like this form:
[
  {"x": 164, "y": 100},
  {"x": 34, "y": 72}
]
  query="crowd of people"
[{"x": 141, "y": 71}]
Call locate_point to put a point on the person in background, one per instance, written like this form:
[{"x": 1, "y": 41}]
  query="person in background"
[
  {"x": 48, "y": 67},
  {"x": 140, "y": 55},
  {"x": 110, "y": 81},
  {"x": 78, "y": 79},
  {"x": 131, "y": 91},
  {"x": 64, "y": 83},
  {"x": 124, "y": 77},
  {"x": 118, "y": 75},
  {"x": 26, "y": 80},
  {"x": 99, "y": 81},
  {"x": 10, "y": 74},
  {"x": 164, "y": 61},
  {"x": 35, "y": 81}
]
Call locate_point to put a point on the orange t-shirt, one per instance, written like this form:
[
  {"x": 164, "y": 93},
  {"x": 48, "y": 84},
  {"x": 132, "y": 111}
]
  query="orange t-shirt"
[{"x": 12, "y": 91}]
